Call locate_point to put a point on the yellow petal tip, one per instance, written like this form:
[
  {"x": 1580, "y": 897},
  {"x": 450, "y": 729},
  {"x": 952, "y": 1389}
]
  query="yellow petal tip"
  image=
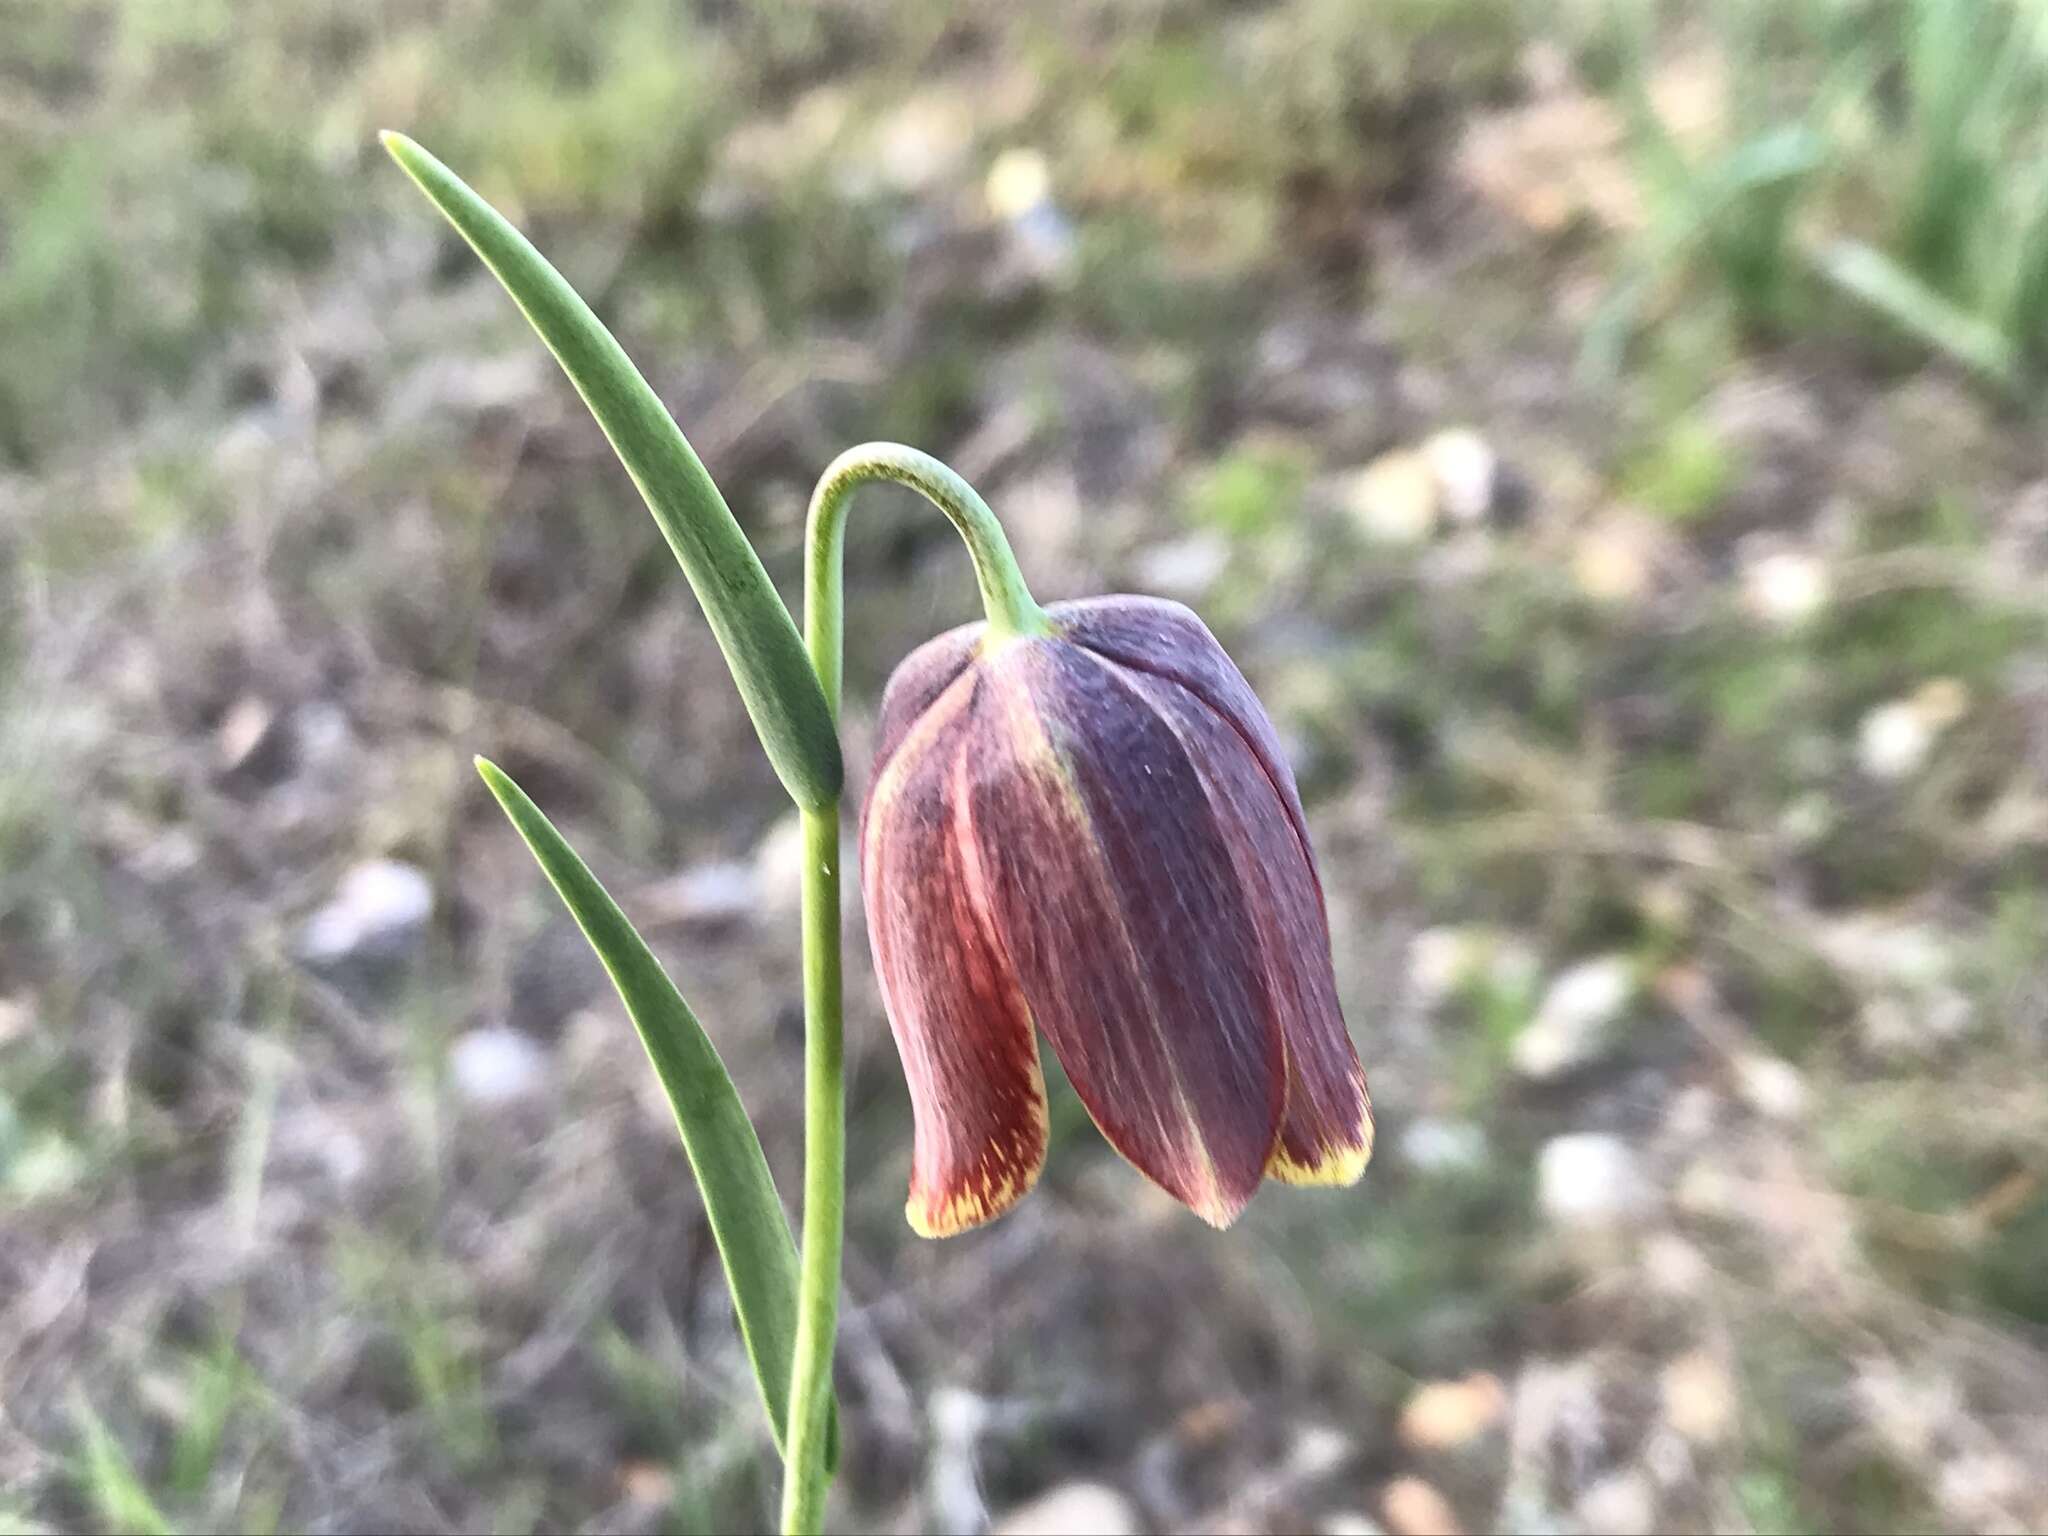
[
  {"x": 1336, "y": 1166},
  {"x": 967, "y": 1208}
]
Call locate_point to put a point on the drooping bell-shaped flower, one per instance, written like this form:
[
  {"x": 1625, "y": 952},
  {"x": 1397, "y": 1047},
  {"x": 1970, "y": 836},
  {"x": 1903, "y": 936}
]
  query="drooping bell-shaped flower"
[{"x": 1093, "y": 832}]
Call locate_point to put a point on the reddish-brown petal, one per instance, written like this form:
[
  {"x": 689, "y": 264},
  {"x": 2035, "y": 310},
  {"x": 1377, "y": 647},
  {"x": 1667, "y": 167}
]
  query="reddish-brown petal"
[
  {"x": 1326, "y": 1137},
  {"x": 1115, "y": 898},
  {"x": 969, "y": 1052},
  {"x": 917, "y": 683}
]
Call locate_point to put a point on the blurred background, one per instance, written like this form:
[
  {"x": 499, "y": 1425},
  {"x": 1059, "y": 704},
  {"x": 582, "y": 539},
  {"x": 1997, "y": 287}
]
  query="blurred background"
[{"x": 1606, "y": 435}]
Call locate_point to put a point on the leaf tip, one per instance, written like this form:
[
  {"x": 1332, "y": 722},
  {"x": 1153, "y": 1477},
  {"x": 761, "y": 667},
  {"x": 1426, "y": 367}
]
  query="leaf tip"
[
  {"x": 492, "y": 775},
  {"x": 411, "y": 158}
]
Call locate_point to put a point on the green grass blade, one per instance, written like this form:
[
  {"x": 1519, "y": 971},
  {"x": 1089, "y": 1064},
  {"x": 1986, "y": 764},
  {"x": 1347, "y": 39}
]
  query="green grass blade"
[
  {"x": 739, "y": 1193},
  {"x": 108, "y": 1479},
  {"x": 1870, "y": 276},
  {"x": 1950, "y": 65},
  {"x": 753, "y": 627},
  {"x": 216, "y": 1383},
  {"x": 2026, "y": 298}
]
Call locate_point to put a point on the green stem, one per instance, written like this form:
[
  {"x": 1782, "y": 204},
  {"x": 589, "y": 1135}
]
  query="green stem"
[
  {"x": 1011, "y": 611},
  {"x": 1005, "y": 598},
  {"x": 810, "y": 1394}
]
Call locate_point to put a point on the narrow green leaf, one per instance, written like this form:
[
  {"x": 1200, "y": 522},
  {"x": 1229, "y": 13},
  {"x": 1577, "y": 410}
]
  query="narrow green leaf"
[
  {"x": 753, "y": 627},
  {"x": 747, "y": 1219},
  {"x": 1875, "y": 279},
  {"x": 108, "y": 1479}
]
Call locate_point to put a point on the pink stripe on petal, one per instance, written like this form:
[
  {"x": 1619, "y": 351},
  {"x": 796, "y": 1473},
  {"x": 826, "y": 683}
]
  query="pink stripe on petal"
[
  {"x": 969, "y": 1052},
  {"x": 916, "y": 684}
]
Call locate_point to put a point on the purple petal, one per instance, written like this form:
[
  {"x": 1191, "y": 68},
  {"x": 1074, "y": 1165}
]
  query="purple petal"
[
  {"x": 1115, "y": 896},
  {"x": 1326, "y": 1137},
  {"x": 1169, "y": 640}
]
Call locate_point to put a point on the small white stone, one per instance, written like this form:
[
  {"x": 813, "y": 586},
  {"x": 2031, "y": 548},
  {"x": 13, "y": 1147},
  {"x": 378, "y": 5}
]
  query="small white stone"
[
  {"x": 317, "y": 1138},
  {"x": 1911, "y": 1414},
  {"x": 1318, "y": 1450},
  {"x": 1981, "y": 1488},
  {"x": 1699, "y": 1397},
  {"x": 1887, "y": 1028},
  {"x": 1542, "y": 1053},
  {"x": 766, "y": 151},
  {"x": 1444, "y": 961},
  {"x": 1693, "y": 1115},
  {"x": 1615, "y": 559},
  {"x": 1415, "y": 1508},
  {"x": 1912, "y": 1023},
  {"x": 923, "y": 141},
  {"x": 1441, "y": 961},
  {"x": 1893, "y": 741},
  {"x": 1667, "y": 903},
  {"x": 1707, "y": 1189},
  {"x": 1946, "y": 1014},
  {"x": 379, "y": 908},
  {"x": 1592, "y": 992},
  {"x": 1018, "y": 181},
  {"x": 245, "y": 448},
  {"x": 1350, "y": 1522},
  {"x": 1806, "y": 819},
  {"x": 244, "y": 728},
  {"x": 1910, "y": 955},
  {"x": 1431, "y": 1145},
  {"x": 1941, "y": 702},
  {"x": 711, "y": 895},
  {"x": 1576, "y": 1021},
  {"x": 648, "y": 1486},
  {"x": 1187, "y": 568},
  {"x": 1785, "y": 587},
  {"x": 495, "y": 1065},
  {"x": 1466, "y": 469},
  {"x": 42, "y": 1164},
  {"x": 1394, "y": 499},
  {"x": 1895, "y": 738},
  {"x": 1045, "y": 242},
  {"x": 959, "y": 1416},
  {"x": 1073, "y": 1509},
  {"x": 1620, "y": 1504},
  {"x": 1771, "y": 1086},
  {"x": 1591, "y": 1181},
  {"x": 779, "y": 866},
  {"x": 321, "y": 733},
  {"x": 720, "y": 893},
  {"x": 1674, "y": 1267},
  {"x": 1668, "y": 1458},
  {"x": 1445, "y": 1415}
]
